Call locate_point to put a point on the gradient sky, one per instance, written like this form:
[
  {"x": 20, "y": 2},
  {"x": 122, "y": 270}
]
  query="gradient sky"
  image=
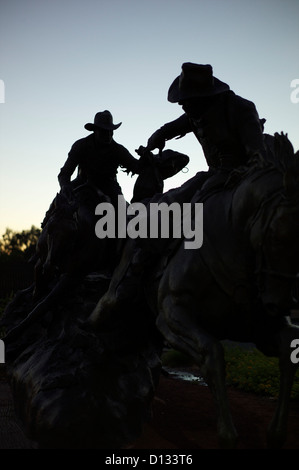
[{"x": 61, "y": 61}]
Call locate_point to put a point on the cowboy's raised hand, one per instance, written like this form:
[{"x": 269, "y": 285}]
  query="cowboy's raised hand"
[{"x": 156, "y": 141}]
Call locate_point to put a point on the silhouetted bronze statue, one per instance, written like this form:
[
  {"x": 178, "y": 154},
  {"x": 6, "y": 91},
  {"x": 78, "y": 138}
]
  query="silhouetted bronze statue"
[
  {"x": 68, "y": 244},
  {"x": 227, "y": 126},
  {"x": 237, "y": 286},
  {"x": 79, "y": 384},
  {"x": 94, "y": 405},
  {"x": 231, "y": 134}
]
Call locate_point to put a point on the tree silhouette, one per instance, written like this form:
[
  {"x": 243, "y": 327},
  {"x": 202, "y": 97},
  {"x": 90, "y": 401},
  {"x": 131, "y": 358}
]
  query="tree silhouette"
[{"x": 21, "y": 244}]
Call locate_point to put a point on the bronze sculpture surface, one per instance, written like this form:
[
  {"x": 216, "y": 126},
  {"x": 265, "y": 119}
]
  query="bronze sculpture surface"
[
  {"x": 238, "y": 286},
  {"x": 82, "y": 389},
  {"x": 227, "y": 127},
  {"x": 84, "y": 384}
]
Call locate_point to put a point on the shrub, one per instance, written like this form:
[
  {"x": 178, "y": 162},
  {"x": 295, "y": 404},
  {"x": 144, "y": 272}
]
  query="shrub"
[{"x": 251, "y": 371}]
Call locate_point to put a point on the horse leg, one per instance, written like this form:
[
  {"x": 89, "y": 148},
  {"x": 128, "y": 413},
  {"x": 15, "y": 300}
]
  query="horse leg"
[
  {"x": 277, "y": 431},
  {"x": 184, "y": 334}
]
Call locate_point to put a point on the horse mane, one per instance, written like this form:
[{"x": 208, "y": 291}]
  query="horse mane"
[
  {"x": 283, "y": 155},
  {"x": 279, "y": 157}
]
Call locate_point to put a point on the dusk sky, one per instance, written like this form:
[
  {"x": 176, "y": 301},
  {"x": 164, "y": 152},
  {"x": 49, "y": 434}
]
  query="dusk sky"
[{"x": 61, "y": 61}]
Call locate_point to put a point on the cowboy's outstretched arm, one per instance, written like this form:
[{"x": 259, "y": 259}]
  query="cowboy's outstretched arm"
[
  {"x": 177, "y": 128},
  {"x": 127, "y": 161}
]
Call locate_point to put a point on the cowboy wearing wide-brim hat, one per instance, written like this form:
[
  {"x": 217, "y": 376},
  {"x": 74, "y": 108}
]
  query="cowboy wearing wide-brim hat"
[
  {"x": 98, "y": 157},
  {"x": 102, "y": 120},
  {"x": 195, "y": 81},
  {"x": 226, "y": 125}
]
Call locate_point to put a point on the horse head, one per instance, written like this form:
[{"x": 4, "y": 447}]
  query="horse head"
[{"x": 154, "y": 169}]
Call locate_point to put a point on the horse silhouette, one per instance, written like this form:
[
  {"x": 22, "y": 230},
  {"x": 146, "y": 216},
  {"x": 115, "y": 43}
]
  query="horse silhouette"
[
  {"x": 68, "y": 248},
  {"x": 238, "y": 285},
  {"x": 75, "y": 388}
]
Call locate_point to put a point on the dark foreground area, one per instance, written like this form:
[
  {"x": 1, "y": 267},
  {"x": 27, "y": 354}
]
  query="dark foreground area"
[{"x": 183, "y": 418}]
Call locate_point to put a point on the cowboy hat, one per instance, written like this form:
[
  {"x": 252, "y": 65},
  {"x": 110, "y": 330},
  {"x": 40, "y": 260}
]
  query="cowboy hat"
[
  {"x": 195, "y": 81},
  {"x": 102, "y": 120}
]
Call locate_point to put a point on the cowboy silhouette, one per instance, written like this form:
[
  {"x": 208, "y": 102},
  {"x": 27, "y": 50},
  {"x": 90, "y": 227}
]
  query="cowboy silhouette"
[
  {"x": 98, "y": 157},
  {"x": 226, "y": 125}
]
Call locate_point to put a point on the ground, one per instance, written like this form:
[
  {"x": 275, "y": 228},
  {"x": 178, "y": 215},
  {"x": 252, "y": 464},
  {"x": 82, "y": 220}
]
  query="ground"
[{"x": 183, "y": 418}]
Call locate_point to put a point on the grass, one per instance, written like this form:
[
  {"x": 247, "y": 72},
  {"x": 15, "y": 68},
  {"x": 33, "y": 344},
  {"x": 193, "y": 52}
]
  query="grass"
[
  {"x": 246, "y": 369},
  {"x": 251, "y": 371},
  {"x": 173, "y": 358}
]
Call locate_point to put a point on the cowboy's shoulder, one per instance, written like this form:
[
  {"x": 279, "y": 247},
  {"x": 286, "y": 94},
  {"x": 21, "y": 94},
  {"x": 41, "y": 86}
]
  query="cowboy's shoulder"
[
  {"x": 82, "y": 144},
  {"x": 242, "y": 104}
]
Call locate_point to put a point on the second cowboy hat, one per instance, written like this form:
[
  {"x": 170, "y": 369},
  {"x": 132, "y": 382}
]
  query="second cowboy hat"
[
  {"x": 102, "y": 120},
  {"x": 195, "y": 81}
]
